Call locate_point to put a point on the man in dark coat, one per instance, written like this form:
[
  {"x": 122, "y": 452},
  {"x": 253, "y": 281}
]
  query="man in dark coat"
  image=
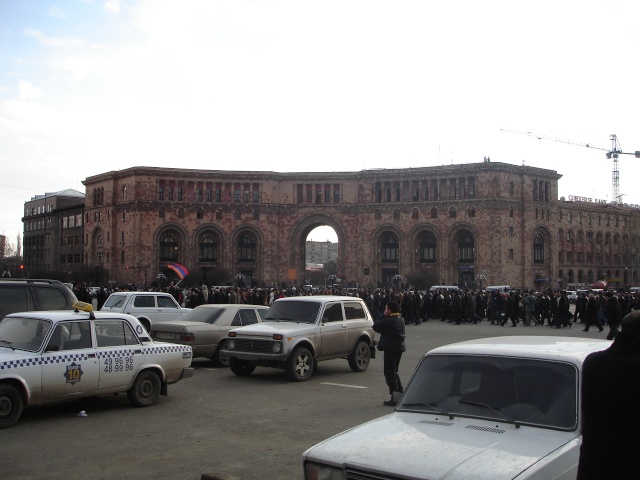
[
  {"x": 390, "y": 326},
  {"x": 610, "y": 413},
  {"x": 613, "y": 314}
]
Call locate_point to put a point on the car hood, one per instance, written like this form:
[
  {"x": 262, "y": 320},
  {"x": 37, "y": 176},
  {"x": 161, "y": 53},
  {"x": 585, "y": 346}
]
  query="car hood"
[
  {"x": 435, "y": 447},
  {"x": 267, "y": 328}
]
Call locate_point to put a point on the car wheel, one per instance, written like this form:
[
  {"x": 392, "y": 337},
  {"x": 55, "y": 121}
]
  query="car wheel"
[
  {"x": 360, "y": 357},
  {"x": 218, "y": 359},
  {"x": 242, "y": 368},
  {"x": 300, "y": 364},
  {"x": 10, "y": 405},
  {"x": 145, "y": 390}
]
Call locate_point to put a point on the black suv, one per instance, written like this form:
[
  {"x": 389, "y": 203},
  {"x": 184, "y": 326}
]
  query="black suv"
[{"x": 22, "y": 295}]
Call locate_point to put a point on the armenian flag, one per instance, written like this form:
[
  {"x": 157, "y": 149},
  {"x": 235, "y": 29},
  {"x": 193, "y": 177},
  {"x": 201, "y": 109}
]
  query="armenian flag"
[{"x": 180, "y": 270}]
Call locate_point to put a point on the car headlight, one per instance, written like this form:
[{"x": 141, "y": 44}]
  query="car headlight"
[
  {"x": 276, "y": 347},
  {"x": 231, "y": 344},
  {"x": 317, "y": 471}
]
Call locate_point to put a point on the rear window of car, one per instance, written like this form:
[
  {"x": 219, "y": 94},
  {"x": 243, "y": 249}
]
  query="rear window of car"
[
  {"x": 51, "y": 298},
  {"x": 354, "y": 311},
  {"x": 165, "y": 301},
  {"x": 15, "y": 299},
  {"x": 144, "y": 301}
]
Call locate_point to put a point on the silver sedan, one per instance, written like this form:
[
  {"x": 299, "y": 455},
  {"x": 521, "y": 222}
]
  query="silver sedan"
[{"x": 205, "y": 328}]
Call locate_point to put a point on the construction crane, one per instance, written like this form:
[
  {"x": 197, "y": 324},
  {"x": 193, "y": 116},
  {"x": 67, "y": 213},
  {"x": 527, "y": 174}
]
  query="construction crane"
[{"x": 612, "y": 154}]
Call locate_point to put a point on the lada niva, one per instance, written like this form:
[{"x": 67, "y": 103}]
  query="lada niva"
[{"x": 297, "y": 332}]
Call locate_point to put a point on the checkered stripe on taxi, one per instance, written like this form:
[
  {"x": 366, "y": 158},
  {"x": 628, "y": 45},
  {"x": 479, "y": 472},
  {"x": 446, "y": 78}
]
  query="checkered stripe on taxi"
[
  {"x": 115, "y": 353},
  {"x": 168, "y": 349},
  {"x": 31, "y": 361}
]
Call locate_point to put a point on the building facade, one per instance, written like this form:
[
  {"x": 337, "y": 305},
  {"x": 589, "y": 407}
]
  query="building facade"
[
  {"x": 468, "y": 225},
  {"x": 52, "y": 238}
]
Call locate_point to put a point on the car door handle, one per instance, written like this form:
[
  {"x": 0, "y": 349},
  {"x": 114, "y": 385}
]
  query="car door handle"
[
  {"x": 92, "y": 355},
  {"x": 137, "y": 351},
  {"x": 344, "y": 325}
]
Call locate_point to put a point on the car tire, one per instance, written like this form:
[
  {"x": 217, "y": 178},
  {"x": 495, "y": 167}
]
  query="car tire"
[
  {"x": 242, "y": 368},
  {"x": 299, "y": 366},
  {"x": 145, "y": 389},
  {"x": 11, "y": 405},
  {"x": 218, "y": 359},
  {"x": 360, "y": 357}
]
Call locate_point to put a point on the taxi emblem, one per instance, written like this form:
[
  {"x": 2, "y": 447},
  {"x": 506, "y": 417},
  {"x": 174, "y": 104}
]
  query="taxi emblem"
[{"x": 73, "y": 374}]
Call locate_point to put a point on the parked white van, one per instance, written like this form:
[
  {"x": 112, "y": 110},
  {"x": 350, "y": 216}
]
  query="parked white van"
[
  {"x": 444, "y": 288},
  {"x": 500, "y": 288}
]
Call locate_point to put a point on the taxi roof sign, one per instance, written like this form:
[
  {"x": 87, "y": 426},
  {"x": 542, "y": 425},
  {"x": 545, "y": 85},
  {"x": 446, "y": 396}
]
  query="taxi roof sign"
[{"x": 85, "y": 307}]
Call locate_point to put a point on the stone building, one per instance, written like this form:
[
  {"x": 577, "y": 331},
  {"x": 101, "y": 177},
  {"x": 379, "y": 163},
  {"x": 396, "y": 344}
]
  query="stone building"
[
  {"x": 473, "y": 224},
  {"x": 52, "y": 235}
]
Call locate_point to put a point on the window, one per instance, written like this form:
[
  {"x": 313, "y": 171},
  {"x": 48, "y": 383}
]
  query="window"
[
  {"x": 390, "y": 248},
  {"x": 427, "y": 247},
  {"x": 144, "y": 301},
  {"x": 113, "y": 333},
  {"x": 471, "y": 212},
  {"x": 71, "y": 336},
  {"x": 333, "y": 313},
  {"x": 200, "y": 214},
  {"x": 452, "y": 212},
  {"x": 414, "y": 214},
  {"x": 208, "y": 247},
  {"x": 465, "y": 248},
  {"x": 170, "y": 194},
  {"x": 166, "y": 301},
  {"x": 246, "y": 248},
  {"x": 538, "y": 248},
  {"x": 354, "y": 311},
  {"x": 169, "y": 246},
  {"x": 180, "y": 194},
  {"x": 434, "y": 212}
]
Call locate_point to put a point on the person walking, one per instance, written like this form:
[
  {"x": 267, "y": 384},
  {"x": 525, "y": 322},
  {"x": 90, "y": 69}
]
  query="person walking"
[
  {"x": 529, "y": 308},
  {"x": 591, "y": 314},
  {"x": 612, "y": 314},
  {"x": 390, "y": 326},
  {"x": 611, "y": 383}
]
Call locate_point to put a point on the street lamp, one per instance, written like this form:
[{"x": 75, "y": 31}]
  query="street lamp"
[{"x": 480, "y": 278}]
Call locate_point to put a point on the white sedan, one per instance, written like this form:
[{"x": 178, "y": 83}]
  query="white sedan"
[
  {"x": 55, "y": 356},
  {"x": 495, "y": 408}
]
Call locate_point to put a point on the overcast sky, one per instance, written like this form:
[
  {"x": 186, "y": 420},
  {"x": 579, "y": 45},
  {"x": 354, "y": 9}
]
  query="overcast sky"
[{"x": 89, "y": 86}]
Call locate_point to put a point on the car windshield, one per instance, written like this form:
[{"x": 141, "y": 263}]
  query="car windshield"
[
  {"x": 115, "y": 301},
  {"x": 293, "y": 311},
  {"x": 517, "y": 390},
  {"x": 23, "y": 333},
  {"x": 203, "y": 315}
]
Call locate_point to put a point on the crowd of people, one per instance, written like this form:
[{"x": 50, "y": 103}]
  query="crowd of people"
[{"x": 517, "y": 307}]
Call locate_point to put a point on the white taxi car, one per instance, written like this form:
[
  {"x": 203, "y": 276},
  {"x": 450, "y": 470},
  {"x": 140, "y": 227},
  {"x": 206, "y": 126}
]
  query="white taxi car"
[
  {"x": 494, "y": 408},
  {"x": 53, "y": 356}
]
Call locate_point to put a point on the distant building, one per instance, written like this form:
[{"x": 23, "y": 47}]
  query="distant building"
[
  {"x": 490, "y": 222},
  {"x": 53, "y": 233},
  {"x": 321, "y": 252},
  {"x": 3, "y": 246}
]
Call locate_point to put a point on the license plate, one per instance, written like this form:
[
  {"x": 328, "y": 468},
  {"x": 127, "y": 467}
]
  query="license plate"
[{"x": 166, "y": 335}]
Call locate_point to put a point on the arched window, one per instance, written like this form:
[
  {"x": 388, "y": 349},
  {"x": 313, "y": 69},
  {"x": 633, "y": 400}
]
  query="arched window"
[
  {"x": 169, "y": 246},
  {"x": 471, "y": 212},
  {"x": 427, "y": 247},
  {"x": 378, "y": 214},
  {"x": 434, "y": 212},
  {"x": 390, "y": 248},
  {"x": 452, "y": 212},
  {"x": 510, "y": 212},
  {"x": 465, "y": 248},
  {"x": 538, "y": 248},
  {"x": 396, "y": 214},
  {"x": 246, "y": 248},
  {"x": 208, "y": 247},
  {"x": 414, "y": 214}
]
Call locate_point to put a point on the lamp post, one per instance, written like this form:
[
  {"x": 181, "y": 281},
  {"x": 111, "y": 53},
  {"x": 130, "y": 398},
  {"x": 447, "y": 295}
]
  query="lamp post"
[{"x": 480, "y": 278}]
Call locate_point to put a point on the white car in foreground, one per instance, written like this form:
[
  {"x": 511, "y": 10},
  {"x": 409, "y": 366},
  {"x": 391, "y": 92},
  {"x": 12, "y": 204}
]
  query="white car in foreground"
[
  {"x": 55, "y": 356},
  {"x": 495, "y": 408}
]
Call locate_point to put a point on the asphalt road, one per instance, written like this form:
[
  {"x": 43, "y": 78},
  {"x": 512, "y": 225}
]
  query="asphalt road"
[{"x": 218, "y": 424}]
